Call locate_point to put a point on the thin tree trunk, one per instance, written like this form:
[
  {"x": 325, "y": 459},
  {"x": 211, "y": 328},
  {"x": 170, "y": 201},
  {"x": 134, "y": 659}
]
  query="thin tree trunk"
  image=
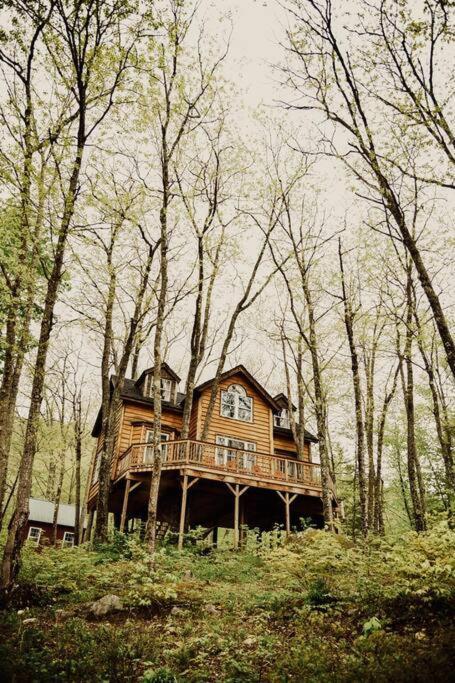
[
  {"x": 407, "y": 380},
  {"x": 57, "y": 500},
  {"x": 378, "y": 517},
  {"x": 77, "y": 417},
  {"x": 360, "y": 435}
]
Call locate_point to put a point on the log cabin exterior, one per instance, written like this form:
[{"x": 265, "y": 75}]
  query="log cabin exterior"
[{"x": 246, "y": 472}]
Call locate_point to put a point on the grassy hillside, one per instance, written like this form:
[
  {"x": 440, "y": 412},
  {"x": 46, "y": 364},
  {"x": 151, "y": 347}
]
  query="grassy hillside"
[{"x": 317, "y": 608}]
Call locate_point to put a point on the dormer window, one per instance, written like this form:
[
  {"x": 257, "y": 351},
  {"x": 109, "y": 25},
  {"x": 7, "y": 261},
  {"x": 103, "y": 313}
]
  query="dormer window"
[
  {"x": 167, "y": 388},
  {"x": 281, "y": 419},
  {"x": 236, "y": 404}
]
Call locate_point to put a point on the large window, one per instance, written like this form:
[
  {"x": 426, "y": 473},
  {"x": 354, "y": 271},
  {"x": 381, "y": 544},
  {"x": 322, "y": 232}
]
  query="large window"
[
  {"x": 228, "y": 455},
  {"x": 236, "y": 404},
  {"x": 34, "y": 534},
  {"x": 148, "y": 455}
]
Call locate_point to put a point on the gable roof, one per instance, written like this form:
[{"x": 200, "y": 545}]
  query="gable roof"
[
  {"x": 164, "y": 366},
  {"x": 283, "y": 401},
  {"x": 241, "y": 370},
  {"x": 131, "y": 390}
]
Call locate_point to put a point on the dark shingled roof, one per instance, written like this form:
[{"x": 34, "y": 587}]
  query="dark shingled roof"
[{"x": 132, "y": 390}]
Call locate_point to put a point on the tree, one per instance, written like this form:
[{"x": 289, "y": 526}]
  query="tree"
[
  {"x": 349, "y": 319},
  {"x": 328, "y": 75},
  {"x": 77, "y": 41},
  {"x": 182, "y": 105}
]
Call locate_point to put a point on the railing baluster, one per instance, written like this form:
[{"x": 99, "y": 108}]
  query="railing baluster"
[{"x": 257, "y": 465}]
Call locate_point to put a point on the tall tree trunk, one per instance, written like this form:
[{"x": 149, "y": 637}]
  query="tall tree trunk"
[
  {"x": 157, "y": 357},
  {"x": 320, "y": 409},
  {"x": 360, "y": 434},
  {"x": 16, "y": 531},
  {"x": 442, "y": 428},
  {"x": 77, "y": 417},
  {"x": 407, "y": 379}
]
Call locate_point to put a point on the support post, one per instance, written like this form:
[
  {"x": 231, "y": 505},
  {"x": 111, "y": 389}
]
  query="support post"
[
  {"x": 237, "y": 492},
  {"x": 287, "y": 500},
  {"x": 183, "y": 511},
  {"x": 236, "y": 517},
  {"x": 186, "y": 484},
  {"x": 126, "y": 495}
]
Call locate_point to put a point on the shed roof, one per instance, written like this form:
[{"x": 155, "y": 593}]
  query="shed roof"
[{"x": 43, "y": 511}]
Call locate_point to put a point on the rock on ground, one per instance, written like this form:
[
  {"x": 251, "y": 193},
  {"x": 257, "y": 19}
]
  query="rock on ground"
[{"x": 106, "y": 605}]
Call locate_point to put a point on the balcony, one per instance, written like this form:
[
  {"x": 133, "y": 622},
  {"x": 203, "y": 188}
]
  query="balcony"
[{"x": 212, "y": 460}]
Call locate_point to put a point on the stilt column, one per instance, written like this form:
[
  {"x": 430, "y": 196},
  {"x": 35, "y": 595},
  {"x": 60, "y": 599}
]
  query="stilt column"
[
  {"x": 186, "y": 485},
  {"x": 287, "y": 500},
  {"x": 237, "y": 492}
]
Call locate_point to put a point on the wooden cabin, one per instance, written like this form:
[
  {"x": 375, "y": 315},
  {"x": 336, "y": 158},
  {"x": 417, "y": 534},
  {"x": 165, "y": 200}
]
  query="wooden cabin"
[{"x": 245, "y": 473}]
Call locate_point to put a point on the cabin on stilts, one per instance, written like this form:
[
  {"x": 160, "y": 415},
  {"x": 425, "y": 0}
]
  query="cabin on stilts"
[{"x": 245, "y": 474}]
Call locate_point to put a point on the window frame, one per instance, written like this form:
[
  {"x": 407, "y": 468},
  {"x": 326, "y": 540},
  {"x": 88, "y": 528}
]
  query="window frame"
[
  {"x": 168, "y": 389},
  {"x": 149, "y": 449},
  {"x": 236, "y": 403},
  {"x": 31, "y": 538},
  {"x": 65, "y": 540},
  {"x": 167, "y": 384},
  {"x": 227, "y": 452}
]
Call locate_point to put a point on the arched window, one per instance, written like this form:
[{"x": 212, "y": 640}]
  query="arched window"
[{"x": 236, "y": 404}]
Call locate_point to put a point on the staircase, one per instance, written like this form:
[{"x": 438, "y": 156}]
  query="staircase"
[{"x": 161, "y": 529}]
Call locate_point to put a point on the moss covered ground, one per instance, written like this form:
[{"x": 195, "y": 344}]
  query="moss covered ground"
[{"x": 315, "y": 608}]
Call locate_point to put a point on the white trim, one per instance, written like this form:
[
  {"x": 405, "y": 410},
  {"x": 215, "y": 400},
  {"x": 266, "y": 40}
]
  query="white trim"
[
  {"x": 65, "y": 541},
  {"x": 228, "y": 452},
  {"x": 233, "y": 390},
  {"x": 32, "y": 538},
  {"x": 148, "y": 451}
]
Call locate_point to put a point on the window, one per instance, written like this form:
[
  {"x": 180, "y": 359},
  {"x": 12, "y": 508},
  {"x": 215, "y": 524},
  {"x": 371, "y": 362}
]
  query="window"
[
  {"x": 228, "y": 456},
  {"x": 68, "y": 539},
  {"x": 34, "y": 534},
  {"x": 166, "y": 388},
  {"x": 148, "y": 454},
  {"x": 281, "y": 419},
  {"x": 236, "y": 404}
]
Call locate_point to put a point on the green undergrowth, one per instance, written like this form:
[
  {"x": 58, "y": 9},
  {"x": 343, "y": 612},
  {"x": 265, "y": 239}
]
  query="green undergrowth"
[{"x": 317, "y": 608}]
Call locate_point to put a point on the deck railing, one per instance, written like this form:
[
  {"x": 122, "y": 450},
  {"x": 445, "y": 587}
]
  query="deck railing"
[{"x": 222, "y": 459}]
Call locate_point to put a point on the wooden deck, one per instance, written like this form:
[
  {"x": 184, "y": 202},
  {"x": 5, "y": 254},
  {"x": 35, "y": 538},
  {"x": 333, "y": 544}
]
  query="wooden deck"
[{"x": 211, "y": 461}]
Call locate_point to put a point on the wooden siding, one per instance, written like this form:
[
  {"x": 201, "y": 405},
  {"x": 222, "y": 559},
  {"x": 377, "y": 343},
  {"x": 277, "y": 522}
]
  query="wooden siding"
[
  {"x": 257, "y": 431},
  {"x": 129, "y": 432},
  {"x": 284, "y": 443}
]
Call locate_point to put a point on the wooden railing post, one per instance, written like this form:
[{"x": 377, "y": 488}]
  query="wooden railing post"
[{"x": 187, "y": 451}]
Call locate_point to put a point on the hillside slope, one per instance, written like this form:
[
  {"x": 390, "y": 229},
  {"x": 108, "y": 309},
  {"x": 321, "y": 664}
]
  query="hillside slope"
[{"x": 317, "y": 608}]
